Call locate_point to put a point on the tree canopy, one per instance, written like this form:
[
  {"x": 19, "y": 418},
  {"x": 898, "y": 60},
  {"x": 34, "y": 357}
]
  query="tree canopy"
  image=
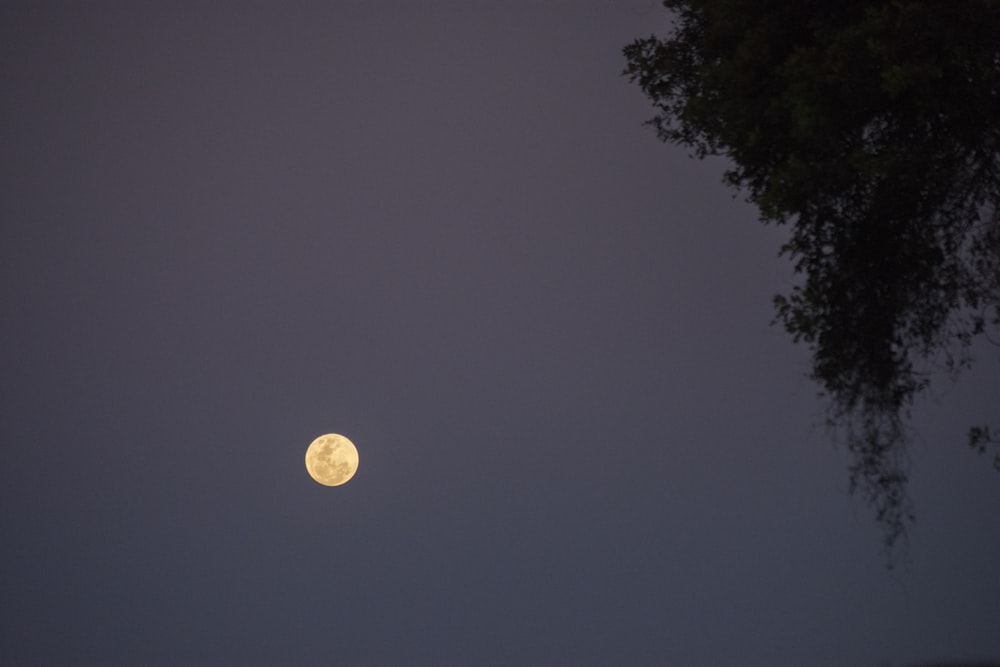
[{"x": 871, "y": 128}]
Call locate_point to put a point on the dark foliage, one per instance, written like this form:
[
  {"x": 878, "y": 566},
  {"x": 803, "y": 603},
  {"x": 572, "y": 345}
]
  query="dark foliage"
[{"x": 872, "y": 128}]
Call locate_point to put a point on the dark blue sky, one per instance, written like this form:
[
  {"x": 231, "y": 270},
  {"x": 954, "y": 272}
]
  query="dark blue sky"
[{"x": 440, "y": 229}]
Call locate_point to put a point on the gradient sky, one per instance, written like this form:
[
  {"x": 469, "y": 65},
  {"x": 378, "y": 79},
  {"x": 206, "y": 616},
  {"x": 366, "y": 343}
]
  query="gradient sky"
[{"x": 440, "y": 229}]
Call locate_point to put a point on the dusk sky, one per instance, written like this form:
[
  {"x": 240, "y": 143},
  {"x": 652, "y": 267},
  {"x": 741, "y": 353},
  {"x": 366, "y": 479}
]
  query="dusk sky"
[{"x": 442, "y": 230}]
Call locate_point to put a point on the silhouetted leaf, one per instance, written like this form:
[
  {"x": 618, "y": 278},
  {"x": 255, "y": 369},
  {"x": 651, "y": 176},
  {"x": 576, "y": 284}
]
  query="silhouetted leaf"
[{"x": 872, "y": 129}]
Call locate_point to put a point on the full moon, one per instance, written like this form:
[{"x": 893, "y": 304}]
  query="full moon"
[{"x": 332, "y": 459}]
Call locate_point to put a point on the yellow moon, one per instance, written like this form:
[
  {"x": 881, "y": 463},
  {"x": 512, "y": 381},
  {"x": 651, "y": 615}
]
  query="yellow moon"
[{"x": 332, "y": 459}]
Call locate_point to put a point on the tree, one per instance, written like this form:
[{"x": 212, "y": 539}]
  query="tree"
[{"x": 872, "y": 129}]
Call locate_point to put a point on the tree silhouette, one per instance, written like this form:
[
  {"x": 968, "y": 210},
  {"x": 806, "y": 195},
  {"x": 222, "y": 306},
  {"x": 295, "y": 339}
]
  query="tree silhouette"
[{"x": 871, "y": 128}]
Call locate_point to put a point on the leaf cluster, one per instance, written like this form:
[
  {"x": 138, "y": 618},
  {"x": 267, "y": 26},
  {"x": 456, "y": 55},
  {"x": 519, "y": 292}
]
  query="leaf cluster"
[{"x": 872, "y": 129}]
